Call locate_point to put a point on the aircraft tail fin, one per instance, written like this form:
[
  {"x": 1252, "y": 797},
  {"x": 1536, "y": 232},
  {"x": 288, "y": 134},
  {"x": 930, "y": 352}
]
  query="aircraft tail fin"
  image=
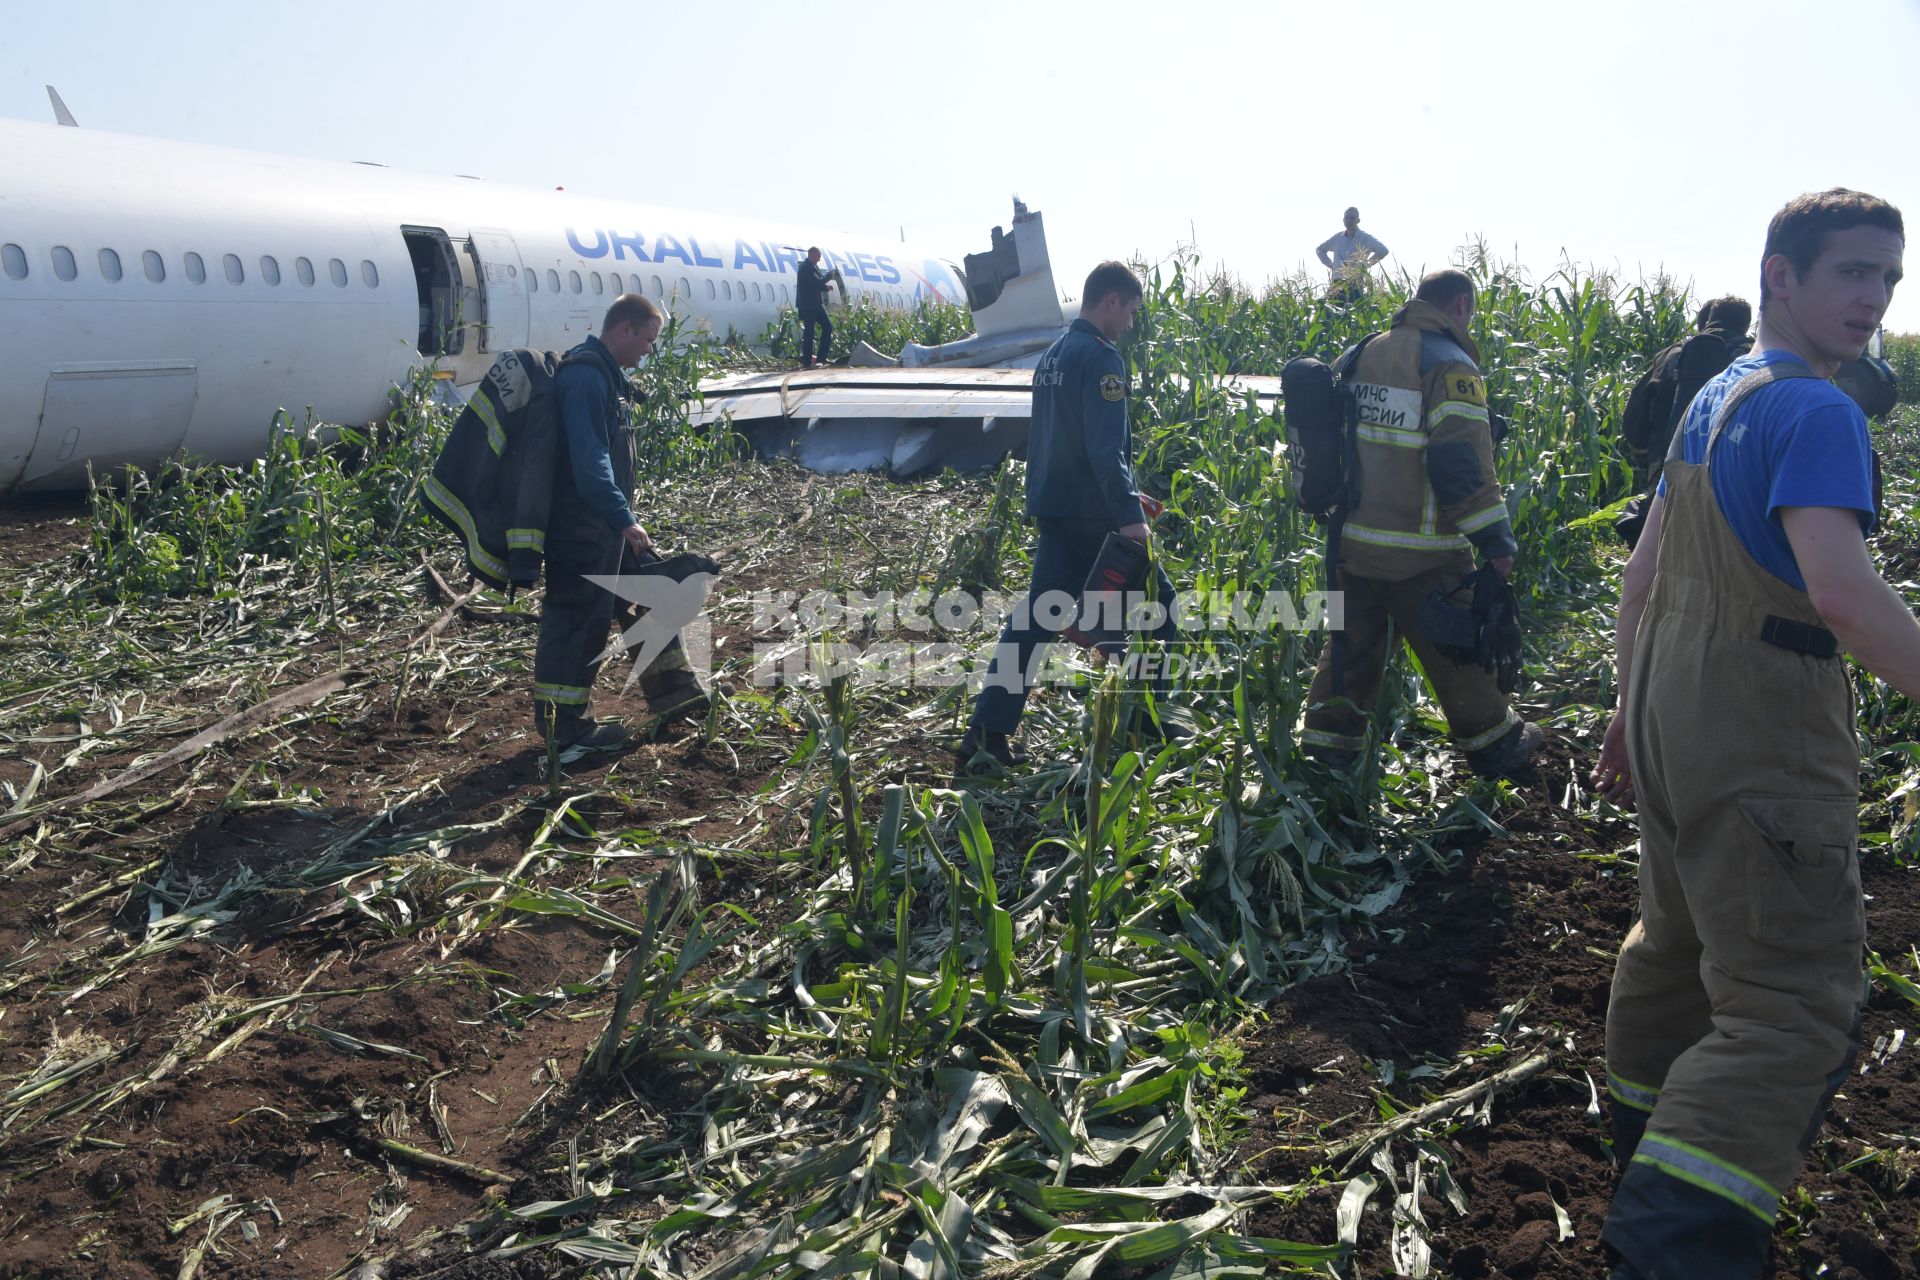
[
  {"x": 1010, "y": 287},
  {"x": 60, "y": 113}
]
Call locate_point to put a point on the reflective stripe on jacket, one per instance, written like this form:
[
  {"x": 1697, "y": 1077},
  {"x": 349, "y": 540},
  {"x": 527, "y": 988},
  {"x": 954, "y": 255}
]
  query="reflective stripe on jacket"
[{"x": 493, "y": 482}]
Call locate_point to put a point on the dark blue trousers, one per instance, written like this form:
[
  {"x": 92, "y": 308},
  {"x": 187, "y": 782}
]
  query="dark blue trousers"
[
  {"x": 809, "y": 320},
  {"x": 1062, "y": 558}
]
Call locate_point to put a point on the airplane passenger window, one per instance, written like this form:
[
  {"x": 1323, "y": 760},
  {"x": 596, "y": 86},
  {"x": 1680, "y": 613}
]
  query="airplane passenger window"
[
  {"x": 573, "y": 279},
  {"x": 196, "y": 268},
  {"x": 785, "y": 296},
  {"x": 15, "y": 259},
  {"x": 236, "y": 274},
  {"x": 156, "y": 269},
  {"x": 63, "y": 265},
  {"x": 598, "y": 286},
  {"x": 613, "y": 282},
  {"x": 553, "y": 280},
  {"x": 659, "y": 290},
  {"x": 337, "y": 272},
  {"x": 269, "y": 269},
  {"x": 684, "y": 289},
  {"x": 369, "y": 273},
  {"x": 109, "y": 264},
  {"x": 533, "y": 282},
  {"x": 303, "y": 269},
  {"x": 711, "y": 291}
]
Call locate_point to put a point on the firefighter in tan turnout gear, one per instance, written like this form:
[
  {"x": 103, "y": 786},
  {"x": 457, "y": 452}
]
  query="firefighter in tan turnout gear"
[
  {"x": 1735, "y": 1007},
  {"x": 1429, "y": 500}
]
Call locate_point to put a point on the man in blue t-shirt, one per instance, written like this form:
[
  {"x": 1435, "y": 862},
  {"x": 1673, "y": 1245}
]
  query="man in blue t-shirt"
[
  {"x": 1804, "y": 444},
  {"x": 1735, "y": 1004}
]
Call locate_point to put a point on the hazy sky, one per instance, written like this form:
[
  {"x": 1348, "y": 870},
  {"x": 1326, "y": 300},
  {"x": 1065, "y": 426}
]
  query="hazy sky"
[{"x": 1632, "y": 135}]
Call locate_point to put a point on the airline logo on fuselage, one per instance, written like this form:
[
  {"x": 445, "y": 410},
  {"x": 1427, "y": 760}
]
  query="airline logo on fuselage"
[
  {"x": 758, "y": 254},
  {"x": 773, "y": 259}
]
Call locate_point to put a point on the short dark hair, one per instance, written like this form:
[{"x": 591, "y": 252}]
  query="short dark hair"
[
  {"x": 1800, "y": 230},
  {"x": 1729, "y": 314},
  {"x": 1110, "y": 277},
  {"x": 1353, "y": 212},
  {"x": 1443, "y": 287},
  {"x": 634, "y": 309}
]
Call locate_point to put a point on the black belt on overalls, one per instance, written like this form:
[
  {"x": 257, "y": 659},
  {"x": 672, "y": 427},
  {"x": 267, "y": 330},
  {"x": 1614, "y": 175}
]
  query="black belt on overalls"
[{"x": 1799, "y": 637}]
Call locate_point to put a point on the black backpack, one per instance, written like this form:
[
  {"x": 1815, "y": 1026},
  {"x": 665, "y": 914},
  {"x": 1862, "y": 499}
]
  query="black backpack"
[
  {"x": 1322, "y": 417},
  {"x": 1660, "y": 399},
  {"x": 1871, "y": 383},
  {"x": 1322, "y": 420}
]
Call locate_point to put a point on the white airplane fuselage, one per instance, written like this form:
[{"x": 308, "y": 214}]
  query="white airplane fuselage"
[{"x": 161, "y": 297}]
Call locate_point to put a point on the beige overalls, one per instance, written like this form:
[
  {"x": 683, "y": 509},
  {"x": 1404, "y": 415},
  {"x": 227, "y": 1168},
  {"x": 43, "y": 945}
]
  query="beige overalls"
[{"x": 1736, "y": 995}]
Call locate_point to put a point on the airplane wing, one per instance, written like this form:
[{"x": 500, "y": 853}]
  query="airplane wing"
[{"x": 907, "y": 420}]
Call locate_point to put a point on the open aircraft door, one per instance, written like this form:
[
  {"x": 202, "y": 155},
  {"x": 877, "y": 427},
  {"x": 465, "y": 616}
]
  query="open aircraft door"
[
  {"x": 503, "y": 289},
  {"x": 109, "y": 412}
]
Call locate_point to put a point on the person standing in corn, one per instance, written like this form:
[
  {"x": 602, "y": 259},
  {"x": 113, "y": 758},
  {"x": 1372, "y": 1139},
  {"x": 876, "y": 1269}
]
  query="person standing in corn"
[
  {"x": 592, "y": 531},
  {"x": 1735, "y": 1006},
  {"x": 1080, "y": 488},
  {"x": 1346, "y": 254},
  {"x": 1428, "y": 500}
]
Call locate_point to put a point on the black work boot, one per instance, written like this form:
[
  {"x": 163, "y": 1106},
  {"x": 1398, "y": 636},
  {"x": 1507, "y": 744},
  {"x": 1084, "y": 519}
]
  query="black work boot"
[
  {"x": 676, "y": 694},
  {"x": 584, "y": 735},
  {"x": 1512, "y": 756},
  {"x": 1337, "y": 759},
  {"x": 996, "y": 747}
]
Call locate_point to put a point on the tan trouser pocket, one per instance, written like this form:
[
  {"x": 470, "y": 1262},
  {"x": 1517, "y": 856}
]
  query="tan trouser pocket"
[{"x": 1803, "y": 876}]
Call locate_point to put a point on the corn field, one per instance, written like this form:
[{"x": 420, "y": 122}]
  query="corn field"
[{"x": 776, "y": 996}]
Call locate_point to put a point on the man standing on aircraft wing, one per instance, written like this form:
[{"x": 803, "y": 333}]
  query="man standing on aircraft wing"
[
  {"x": 1079, "y": 489},
  {"x": 810, "y": 299},
  {"x": 1735, "y": 1007},
  {"x": 592, "y": 531}
]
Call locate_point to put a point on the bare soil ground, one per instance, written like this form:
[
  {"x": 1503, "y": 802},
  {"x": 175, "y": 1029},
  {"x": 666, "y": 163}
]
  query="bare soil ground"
[
  {"x": 38, "y": 528},
  {"x": 256, "y": 1096},
  {"x": 1528, "y": 924}
]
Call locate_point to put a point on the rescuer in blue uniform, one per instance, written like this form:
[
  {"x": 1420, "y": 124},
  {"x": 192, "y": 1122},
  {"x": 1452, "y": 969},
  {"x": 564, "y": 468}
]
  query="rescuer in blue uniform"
[
  {"x": 592, "y": 530},
  {"x": 810, "y": 299},
  {"x": 1079, "y": 489}
]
